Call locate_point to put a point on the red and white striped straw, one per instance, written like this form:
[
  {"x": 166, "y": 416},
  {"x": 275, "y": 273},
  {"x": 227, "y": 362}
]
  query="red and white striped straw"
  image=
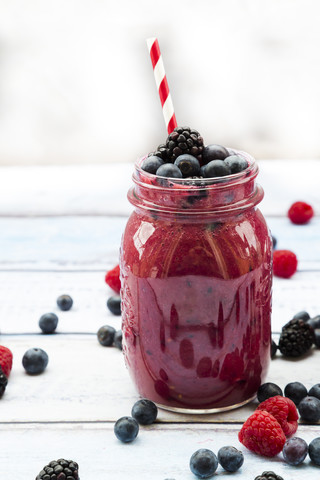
[{"x": 162, "y": 84}]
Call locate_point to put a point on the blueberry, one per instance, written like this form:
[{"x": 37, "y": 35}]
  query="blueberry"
[
  {"x": 151, "y": 164},
  {"x": 214, "y": 152},
  {"x": 303, "y": 315},
  {"x": 315, "y": 391},
  {"x": 314, "y": 450},
  {"x": 144, "y": 411},
  {"x": 296, "y": 391},
  {"x": 64, "y": 302},
  {"x": 274, "y": 241},
  {"x": 126, "y": 429},
  {"x": 188, "y": 165},
  {"x": 35, "y": 361},
  {"x": 114, "y": 304},
  {"x": 169, "y": 170},
  {"x": 236, "y": 163},
  {"x": 230, "y": 458},
  {"x": 203, "y": 463},
  {"x": 106, "y": 335},
  {"x": 295, "y": 450},
  {"x": 216, "y": 168},
  {"x": 117, "y": 341},
  {"x": 267, "y": 390},
  {"x": 309, "y": 409},
  {"x": 274, "y": 348},
  {"x": 317, "y": 337},
  {"x": 314, "y": 322},
  {"x": 48, "y": 322}
]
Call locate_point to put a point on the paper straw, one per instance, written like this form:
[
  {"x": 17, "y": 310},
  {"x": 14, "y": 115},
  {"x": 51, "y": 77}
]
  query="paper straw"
[{"x": 162, "y": 84}]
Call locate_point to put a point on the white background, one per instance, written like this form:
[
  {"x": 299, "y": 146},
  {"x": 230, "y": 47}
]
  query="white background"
[{"x": 76, "y": 83}]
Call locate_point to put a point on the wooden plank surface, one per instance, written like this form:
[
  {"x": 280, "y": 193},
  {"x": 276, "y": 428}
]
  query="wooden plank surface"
[{"x": 159, "y": 451}]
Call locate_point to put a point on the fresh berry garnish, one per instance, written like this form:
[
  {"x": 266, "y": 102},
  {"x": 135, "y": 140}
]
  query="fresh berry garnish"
[
  {"x": 300, "y": 213},
  {"x": 117, "y": 341},
  {"x": 268, "y": 476},
  {"x": 284, "y": 411},
  {"x": 126, "y": 429},
  {"x": 285, "y": 263},
  {"x": 3, "y": 382},
  {"x": 230, "y": 458},
  {"x": 151, "y": 164},
  {"x": 314, "y": 450},
  {"x": 35, "y": 361},
  {"x": 64, "y": 302},
  {"x": 296, "y": 391},
  {"x": 309, "y": 409},
  {"x": 261, "y": 433},
  {"x": 296, "y": 338},
  {"x": 183, "y": 140},
  {"x": 303, "y": 315},
  {"x": 59, "y": 470},
  {"x": 48, "y": 322},
  {"x": 216, "y": 168},
  {"x": 274, "y": 348},
  {"x": 114, "y": 304},
  {"x": 315, "y": 391},
  {"x": 267, "y": 390},
  {"x": 236, "y": 163},
  {"x": 203, "y": 463},
  {"x": 161, "y": 152},
  {"x": 5, "y": 360},
  {"x": 106, "y": 335},
  {"x": 169, "y": 170},
  {"x": 295, "y": 450},
  {"x": 144, "y": 411},
  {"x": 188, "y": 165},
  {"x": 214, "y": 152},
  {"x": 112, "y": 278}
]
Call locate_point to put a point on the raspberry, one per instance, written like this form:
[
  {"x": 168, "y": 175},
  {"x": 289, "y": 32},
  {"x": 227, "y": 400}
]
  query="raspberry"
[
  {"x": 112, "y": 278},
  {"x": 300, "y": 213},
  {"x": 5, "y": 360},
  {"x": 261, "y": 433},
  {"x": 284, "y": 411},
  {"x": 285, "y": 263}
]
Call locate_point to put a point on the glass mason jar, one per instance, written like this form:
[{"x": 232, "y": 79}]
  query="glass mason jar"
[{"x": 196, "y": 276}]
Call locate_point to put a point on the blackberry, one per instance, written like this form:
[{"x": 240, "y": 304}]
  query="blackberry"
[
  {"x": 183, "y": 140},
  {"x": 268, "y": 476},
  {"x": 59, "y": 470},
  {"x": 3, "y": 382},
  {"x": 296, "y": 338}
]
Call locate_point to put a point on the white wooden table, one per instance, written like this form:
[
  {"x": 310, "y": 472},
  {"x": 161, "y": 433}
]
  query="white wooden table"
[{"x": 60, "y": 232}]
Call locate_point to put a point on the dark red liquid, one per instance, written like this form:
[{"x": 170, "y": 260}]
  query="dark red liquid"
[{"x": 196, "y": 303}]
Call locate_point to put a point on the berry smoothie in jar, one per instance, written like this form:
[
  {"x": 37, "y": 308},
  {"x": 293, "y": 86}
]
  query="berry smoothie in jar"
[{"x": 196, "y": 277}]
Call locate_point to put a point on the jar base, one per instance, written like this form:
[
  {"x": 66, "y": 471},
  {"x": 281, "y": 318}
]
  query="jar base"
[{"x": 204, "y": 411}]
